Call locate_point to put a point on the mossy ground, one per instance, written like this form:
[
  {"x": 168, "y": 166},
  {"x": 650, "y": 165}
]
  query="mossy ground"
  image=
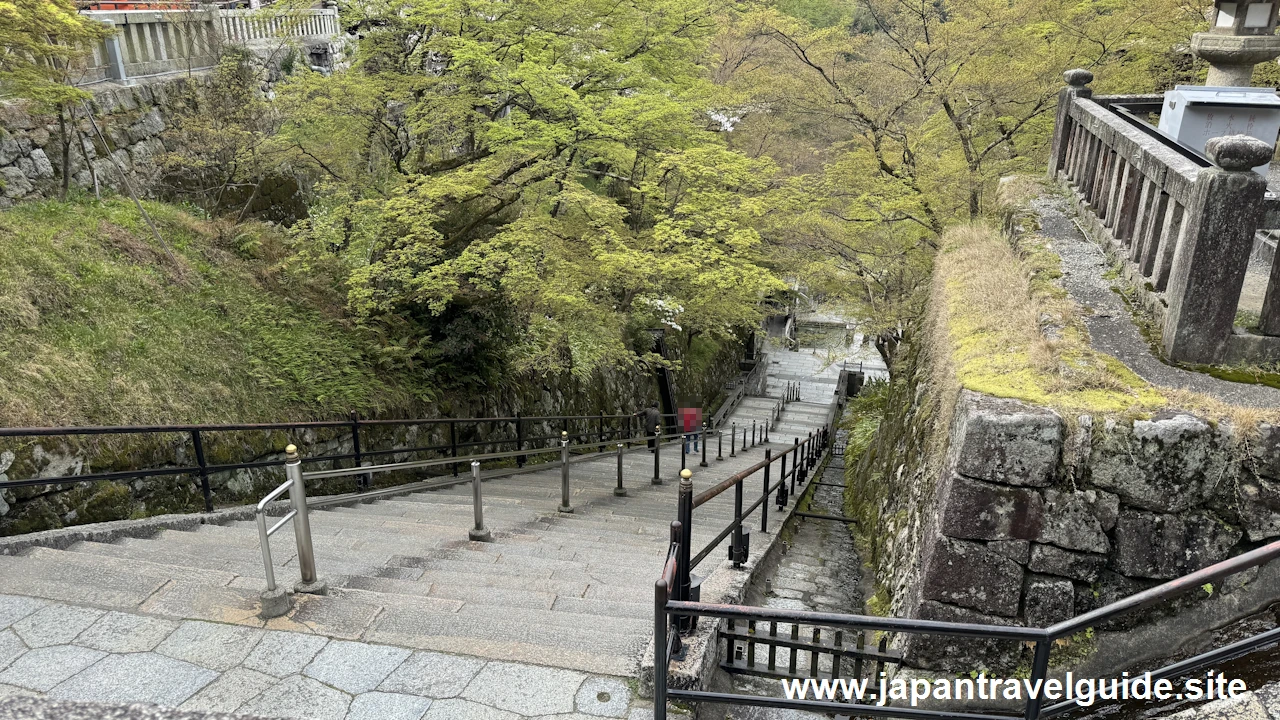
[{"x": 104, "y": 325}]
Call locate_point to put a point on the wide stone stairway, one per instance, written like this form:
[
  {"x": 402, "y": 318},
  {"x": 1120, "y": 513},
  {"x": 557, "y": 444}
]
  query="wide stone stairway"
[{"x": 572, "y": 591}]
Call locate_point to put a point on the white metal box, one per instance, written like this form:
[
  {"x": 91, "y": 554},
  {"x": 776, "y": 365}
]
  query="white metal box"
[{"x": 1192, "y": 114}]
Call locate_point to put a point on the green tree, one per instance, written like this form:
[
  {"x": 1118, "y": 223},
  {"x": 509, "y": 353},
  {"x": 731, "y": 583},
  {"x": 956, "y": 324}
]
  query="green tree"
[{"x": 42, "y": 47}]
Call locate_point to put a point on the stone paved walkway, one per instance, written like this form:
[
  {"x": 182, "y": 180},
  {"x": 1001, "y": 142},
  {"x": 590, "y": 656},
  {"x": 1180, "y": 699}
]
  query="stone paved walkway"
[
  {"x": 67, "y": 652},
  {"x": 1110, "y": 324}
]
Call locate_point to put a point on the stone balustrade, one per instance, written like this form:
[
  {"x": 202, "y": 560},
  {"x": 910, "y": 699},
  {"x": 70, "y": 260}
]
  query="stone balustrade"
[
  {"x": 151, "y": 42},
  {"x": 1183, "y": 228}
]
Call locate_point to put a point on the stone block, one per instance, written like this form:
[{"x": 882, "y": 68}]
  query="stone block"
[
  {"x": 976, "y": 510},
  {"x": 1048, "y": 600},
  {"x": 1065, "y": 563},
  {"x": 136, "y": 677},
  {"x": 1163, "y": 547},
  {"x": 433, "y": 674},
  {"x": 14, "y": 182},
  {"x": 1070, "y": 522},
  {"x": 43, "y": 668},
  {"x": 965, "y": 573},
  {"x": 16, "y": 116},
  {"x": 1166, "y": 464},
  {"x": 1018, "y": 551},
  {"x": 10, "y": 648},
  {"x": 27, "y": 167},
  {"x": 211, "y": 645},
  {"x": 1006, "y": 441},
  {"x": 388, "y": 706},
  {"x": 126, "y": 633},
  {"x": 603, "y": 697},
  {"x": 15, "y": 607},
  {"x": 299, "y": 697},
  {"x": 55, "y": 625},
  {"x": 525, "y": 689},
  {"x": 231, "y": 690},
  {"x": 466, "y": 710},
  {"x": 1265, "y": 451},
  {"x": 960, "y": 654},
  {"x": 284, "y": 653},
  {"x": 355, "y": 667},
  {"x": 43, "y": 168},
  {"x": 1260, "y": 508},
  {"x": 9, "y": 150}
]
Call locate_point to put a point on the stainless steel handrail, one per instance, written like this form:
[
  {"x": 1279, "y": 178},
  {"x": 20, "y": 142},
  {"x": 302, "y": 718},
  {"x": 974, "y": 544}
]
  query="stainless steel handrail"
[{"x": 274, "y": 601}]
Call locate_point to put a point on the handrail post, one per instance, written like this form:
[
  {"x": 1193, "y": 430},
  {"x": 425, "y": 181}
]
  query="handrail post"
[
  {"x": 204, "y": 471},
  {"x": 685, "y": 511},
  {"x": 565, "y": 507},
  {"x": 764, "y": 506},
  {"x": 453, "y": 444},
  {"x": 767, "y": 423},
  {"x": 719, "y": 445},
  {"x": 753, "y": 433},
  {"x": 302, "y": 526},
  {"x": 600, "y": 431},
  {"x": 782, "y": 481},
  {"x": 660, "y": 659},
  {"x": 684, "y": 448},
  {"x": 744, "y": 438},
  {"x": 620, "y": 491},
  {"x": 795, "y": 464},
  {"x": 737, "y": 553},
  {"x": 519, "y": 440},
  {"x": 479, "y": 533},
  {"x": 657, "y": 452},
  {"x": 733, "y": 439},
  {"x": 362, "y": 481},
  {"x": 1039, "y": 669},
  {"x": 705, "y": 425}
]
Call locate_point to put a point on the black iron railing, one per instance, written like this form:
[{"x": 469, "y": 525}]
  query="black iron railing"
[
  {"x": 496, "y": 433},
  {"x": 675, "y": 612}
]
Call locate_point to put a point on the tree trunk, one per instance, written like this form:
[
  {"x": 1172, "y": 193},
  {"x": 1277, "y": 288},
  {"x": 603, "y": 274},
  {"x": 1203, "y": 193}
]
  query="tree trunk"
[
  {"x": 66, "y": 152},
  {"x": 887, "y": 344}
]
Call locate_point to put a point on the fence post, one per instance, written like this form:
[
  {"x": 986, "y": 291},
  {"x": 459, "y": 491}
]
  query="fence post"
[
  {"x": 753, "y": 433},
  {"x": 705, "y": 426},
  {"x": 660, "y": 659},
  {"x": 302, "y": 526},
  {"x": 657, "y": 452},
  {"x": 565, "y": 507},
  {"x": 737, "y": 549},
  {"x": 600, "y": 429},
  {"x": 620, "y": 491},
  {"x": 684, "y": 448},
  {"x": 782, "y": 484},
  {"x": 1211, "y": 260},
  {"x": 1077, "y": 86},
  {"x": 365, "y": 480},
  {"x": 733, "y": 439},
  {"x": 719, "y": 445},
  {"x": 685, "y": 515},
  {"x": 764, "y": 506},
  {"x": 519, "y": 440},
  {"x": 1039, "y": 669},
  {"x": 767, "y": 423},
  {"x": 478, "y": 533},
  {"x": 795, "y": 464},
  {"x": 453, "y": 444},
  {"x": 204, "y": 471}
]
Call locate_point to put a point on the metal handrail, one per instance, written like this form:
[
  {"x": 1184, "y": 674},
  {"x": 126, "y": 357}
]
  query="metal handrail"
[
  {"x": 274, "y": 601},
  {"x": 679, "y": 612}
]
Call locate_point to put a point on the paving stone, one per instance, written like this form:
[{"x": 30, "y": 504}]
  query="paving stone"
[
  {"x": 465, "y": 710},
  {"x": 15, "y": 607},
  {"x": 603, "y": 697},
  {"x": 136, "y": 677},
  {"x": 232, "y": 689},
  {"x": 525, "y": 689},
  {"x": 284, "y": 653},
  {"x": 43, "y": 668},
  {"x": 433, "y": 674},
  {"x": 355, "y": 667},
  {"x": 55, "y": 625},
  {"x": 10, "y": 648},
  {"x": 299, "y": 697},
  {"x": 125, "y": 633},
  {"x": 212, "y": 645},
  {"x": 13, "y": 691},
  {"x": 388, "y": 706}
]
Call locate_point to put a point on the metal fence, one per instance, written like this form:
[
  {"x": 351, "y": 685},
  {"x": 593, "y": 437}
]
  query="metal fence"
[{"x": 676, "y": 610}]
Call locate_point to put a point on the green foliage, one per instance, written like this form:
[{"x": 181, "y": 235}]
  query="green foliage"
[
  {"x": 102, "y": 327},
  {"x": 42, "y": 47}
]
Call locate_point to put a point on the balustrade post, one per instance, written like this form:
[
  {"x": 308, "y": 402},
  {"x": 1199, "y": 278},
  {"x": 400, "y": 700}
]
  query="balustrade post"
[
  {"x": 1077, "y": 87},
  {"x": 1209, "y": 266},
  {"x": 478, "y": 533},
  {"x": 657, "y": 452},
  {"x": 453, "y": 445},
  {"x": 519, "y": 440},
  {"x": 309, "y": 583},
  {"x": 565, "y": 507},
  {"x": 705, "y": 427},
  {"x": 205, "y": 490},
  {"x": 660, "y": 659},
  {"x": 684, "y": 582},
  {"x": 767, "y": 423},
  {"x": 764, "y": 506},
  {"x": 1039, "y": 669},
  {"x": 795, "y": 464},
  {"x": 753, "y": 433},
  {"x": 365, "y": 480},
  {"x": 737, "y": 547},
  {"x": 620, "y": 491},
  {"x": 782, "y": 481},
  {"x": 733, "y": 439}
]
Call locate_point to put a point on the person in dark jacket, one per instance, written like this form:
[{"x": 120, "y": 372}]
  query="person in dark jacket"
[{"x": 650, "y": 418}]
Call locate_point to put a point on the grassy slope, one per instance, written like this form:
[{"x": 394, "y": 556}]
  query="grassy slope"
[{"x": 99, "y": 325}]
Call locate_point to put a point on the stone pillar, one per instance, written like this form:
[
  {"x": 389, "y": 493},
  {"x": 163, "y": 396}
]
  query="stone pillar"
[
  {"x": 1210, "y": 261},
  {"x": 1270, "y": 324},
  {"x": 114, "y": 56},
  {"x": 1077, "y": 87},
  {"x": 1241, "y": 35}
]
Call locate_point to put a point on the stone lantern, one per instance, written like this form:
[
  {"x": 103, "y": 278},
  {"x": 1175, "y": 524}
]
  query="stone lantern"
[{"x": 1242, "y": 35}]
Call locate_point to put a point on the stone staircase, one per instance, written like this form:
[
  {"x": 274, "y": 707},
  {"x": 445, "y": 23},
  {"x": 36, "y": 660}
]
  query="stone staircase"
[{"x": 570, "y": 590}]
